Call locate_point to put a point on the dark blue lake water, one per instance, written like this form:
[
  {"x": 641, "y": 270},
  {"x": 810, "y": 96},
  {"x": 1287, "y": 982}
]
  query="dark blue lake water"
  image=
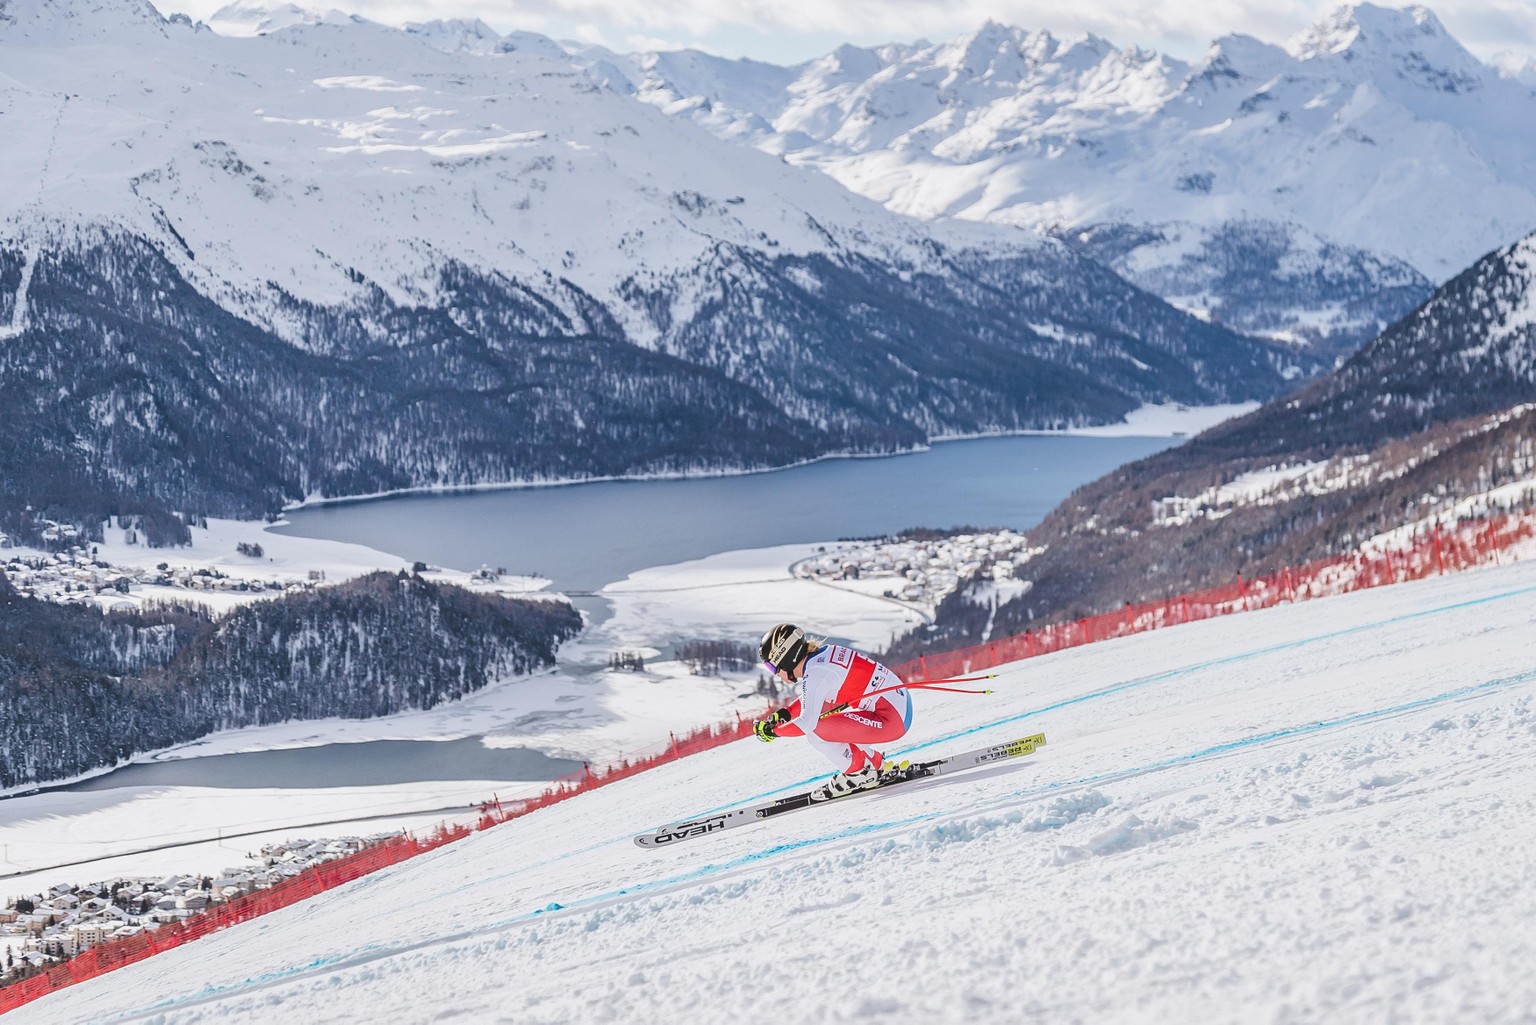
[
  {"x": 583, "y": 536},
  {"x": 342, "y": 765}
]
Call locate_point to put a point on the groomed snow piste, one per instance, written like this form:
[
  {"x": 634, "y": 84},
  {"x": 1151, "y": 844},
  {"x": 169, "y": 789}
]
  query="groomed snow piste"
[{"x": 1321, "y": 812}]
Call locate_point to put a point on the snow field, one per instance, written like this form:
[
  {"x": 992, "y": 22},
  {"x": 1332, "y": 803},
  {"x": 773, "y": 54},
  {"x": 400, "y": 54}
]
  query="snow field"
[
  {"x": 206, "y": 829},
  {"x": 1315, "y": 812}
]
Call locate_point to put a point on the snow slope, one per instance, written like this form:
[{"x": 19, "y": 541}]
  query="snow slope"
[{"x": 1318, "y": 812}]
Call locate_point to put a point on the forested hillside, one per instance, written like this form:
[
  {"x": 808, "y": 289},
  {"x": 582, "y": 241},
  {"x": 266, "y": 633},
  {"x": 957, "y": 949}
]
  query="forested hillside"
[
  {"x": 1426, "y": 421},
  {"x": 133, "y": 394},
  {"x": 81, "y": 689}
]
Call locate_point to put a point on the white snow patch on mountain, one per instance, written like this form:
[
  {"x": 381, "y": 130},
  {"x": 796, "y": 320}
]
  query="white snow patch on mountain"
[
  {"x": 317, "y": 158},
  {"x": 253, "y": 18},
  {"x": 1375, "y": 129},
  {"x": 1260, "y": 487},
  {"x": 1520, "y": 314}
]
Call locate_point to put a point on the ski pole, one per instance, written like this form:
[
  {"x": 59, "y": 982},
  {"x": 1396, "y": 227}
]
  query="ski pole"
[
  {"x": 951, "y": 690},
  {"x": 916, "y": 686},
  {"x": 955, "y": 679},
  {"x": 934, "y": 685}
]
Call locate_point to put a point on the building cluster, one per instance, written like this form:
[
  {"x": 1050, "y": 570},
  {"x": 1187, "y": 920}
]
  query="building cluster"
[
  {"x": 43, "y": 928},
  {"x": 921, "y": 570},
  {"x": 77, "y": 574}
]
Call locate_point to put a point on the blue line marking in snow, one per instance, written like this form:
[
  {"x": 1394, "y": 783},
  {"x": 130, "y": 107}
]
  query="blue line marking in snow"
[
  {"x": 1228, "y": 660},
  {"x": 275, "y": 975},
  {"x": 1194, "y": 756},
  {"x": 1155, "y": 678},
  {"x": 1294, "y": 731}
]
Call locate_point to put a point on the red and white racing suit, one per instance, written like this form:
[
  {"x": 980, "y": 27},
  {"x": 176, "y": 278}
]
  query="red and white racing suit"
[{"x": 834, "y": 676}]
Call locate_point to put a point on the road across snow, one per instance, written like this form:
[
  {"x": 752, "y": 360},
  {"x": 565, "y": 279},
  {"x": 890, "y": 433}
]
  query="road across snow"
[{"x": 1317, "y": 812}]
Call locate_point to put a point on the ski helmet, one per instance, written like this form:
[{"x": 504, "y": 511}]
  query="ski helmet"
[{"x": 783, "y": 647}]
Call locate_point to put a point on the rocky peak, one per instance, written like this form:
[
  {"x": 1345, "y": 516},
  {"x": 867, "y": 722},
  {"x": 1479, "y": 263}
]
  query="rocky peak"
[
  {"x": 1409, "y": 43},
  {"x": 79, "y": 21}
]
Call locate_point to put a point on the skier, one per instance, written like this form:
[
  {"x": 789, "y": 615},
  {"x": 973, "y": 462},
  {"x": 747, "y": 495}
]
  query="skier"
[{"x": 836, "y": 710}]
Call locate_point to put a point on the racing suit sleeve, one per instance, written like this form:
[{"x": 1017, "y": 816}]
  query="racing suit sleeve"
[
  {"x": 816, "y": 693},
  {"x": 787, "y": 728}
]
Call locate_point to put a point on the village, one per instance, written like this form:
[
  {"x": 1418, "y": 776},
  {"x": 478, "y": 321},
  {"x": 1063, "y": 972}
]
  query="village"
[
  {"x": 918, "y": 569},
  {"x": 77, "y": 574},
  {"x": 41, "y": 929},
  {"x": 229, "y": 563}
]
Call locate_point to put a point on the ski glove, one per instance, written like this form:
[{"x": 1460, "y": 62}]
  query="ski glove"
[{"x": 767, "y": 729}]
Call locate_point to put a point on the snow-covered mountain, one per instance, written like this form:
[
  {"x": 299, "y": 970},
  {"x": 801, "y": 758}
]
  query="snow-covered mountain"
[
  {"x": 1309, "y": 192},
  {"x": 1431, "y": 421},
  {"x": 329, "y": 256},
  {"x": 1469, "y": 351},
  {"x": 1515, "y": 66},
  {"x": 254, "y": 18}
]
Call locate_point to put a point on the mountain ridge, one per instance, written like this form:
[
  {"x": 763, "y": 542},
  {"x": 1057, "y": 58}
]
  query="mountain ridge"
[
  {"x": 1319, "y": 146},
  {"x": 413, "y": 267}
]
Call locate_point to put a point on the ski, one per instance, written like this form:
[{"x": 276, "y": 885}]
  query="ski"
[{"x": 680, "y": 831}]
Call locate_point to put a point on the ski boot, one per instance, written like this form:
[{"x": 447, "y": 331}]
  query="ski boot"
[{"x": 845, "y": 783}]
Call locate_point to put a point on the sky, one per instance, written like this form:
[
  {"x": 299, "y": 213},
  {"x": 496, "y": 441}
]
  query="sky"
[
  {"x": 789, "y": 31},
  {"x": 1318, "y": 812}
]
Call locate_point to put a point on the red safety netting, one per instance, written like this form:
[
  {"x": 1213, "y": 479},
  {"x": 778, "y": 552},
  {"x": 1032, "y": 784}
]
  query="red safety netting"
[
  {"x": 113, "y": 954},
  {"x": 1439, "y": 550}
]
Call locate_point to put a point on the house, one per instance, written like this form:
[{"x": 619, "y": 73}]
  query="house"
[
  {"x": 59, "y": 944},
  {"x": 33, "y": 923},
  {"x": 231, "y": 884},
  {"x": 91, "y": 933}
]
